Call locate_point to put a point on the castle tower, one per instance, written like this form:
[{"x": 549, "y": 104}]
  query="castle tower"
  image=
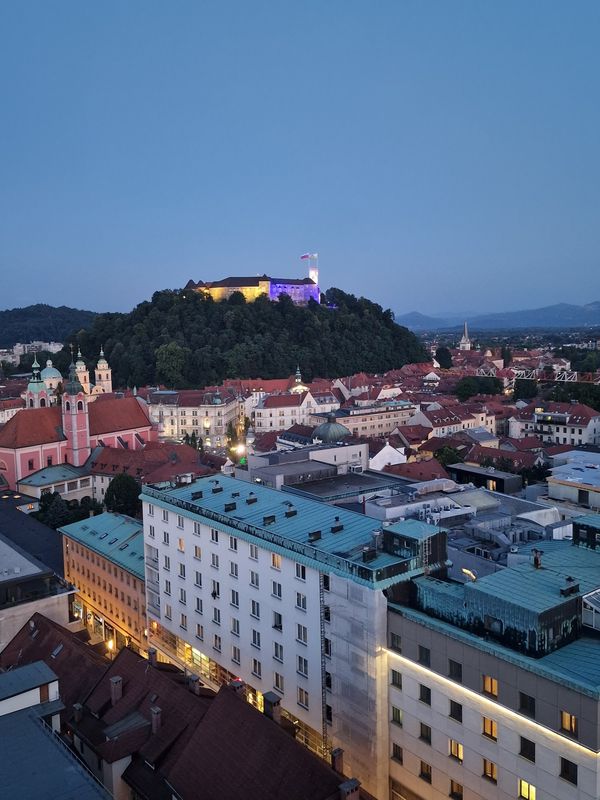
[
  {"x": 465, "y": 342},
  {"x": 36, "y": 394},
  {"x": 75, "y": 420},
  {"x": 103, "y": 374},
  {"x": 83, "y": 374}
]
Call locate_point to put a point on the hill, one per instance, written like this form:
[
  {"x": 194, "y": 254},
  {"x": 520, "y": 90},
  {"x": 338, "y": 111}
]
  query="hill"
[
  {"x": 41, "y": 322},
  {"x": 416, "y": 321},
  {"x": 184, "y": 339}
]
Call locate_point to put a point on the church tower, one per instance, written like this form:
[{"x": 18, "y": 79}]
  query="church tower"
[
  {"x": 36, "y": 394},
  {"x": 465, "y": 342},
  {"x": 103, "y": 374},
  {"x": 75, "y": 420},
  {"x": 83, "y": 374}
]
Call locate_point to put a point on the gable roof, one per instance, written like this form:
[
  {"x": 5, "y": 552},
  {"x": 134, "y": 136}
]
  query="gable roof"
[
  {"x": 418, "y": 470},
  {"x": 117, "y": 414},
  {"x": 32, "y": 426}
]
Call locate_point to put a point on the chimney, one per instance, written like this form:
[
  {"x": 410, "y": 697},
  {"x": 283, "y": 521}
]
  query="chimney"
[
  {"x": 152, "y": 656},
  {"x": 350, "y": 789},
  {"x": 116, "y": 689},
  {"x": 155, "y": 715},
  {"x": 77, "y": 712},
  {"x": 337, "y": 760},
  {"x": 238, "y": 686},
  {"x": 194, "y": 684},
  {"x": 272, "y": 704}
]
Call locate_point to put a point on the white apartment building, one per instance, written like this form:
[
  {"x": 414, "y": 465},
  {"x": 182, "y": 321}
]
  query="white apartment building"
[
  {"x": 375, "y": 420},
  {"x": 281, "y": 411},
  {"x": 557, "y": 423},
  {"x": 207, "y": 413},
  {"x": 285, "y": 593}
]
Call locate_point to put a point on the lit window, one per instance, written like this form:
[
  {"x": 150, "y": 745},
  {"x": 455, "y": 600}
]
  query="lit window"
[
  {"x": 490, "y": 728},
  {"x": 275, "y": 561},
  {"x": 490, "y": 686},
  {"x": 490, "y": 770},
  {"x": 456, "y": 790},
  {"x": 568, "y": 723},
  {"x": 456, "y": 750},
  {"x": 526, "y": 790},
  {"x": 198, "y": 553}
]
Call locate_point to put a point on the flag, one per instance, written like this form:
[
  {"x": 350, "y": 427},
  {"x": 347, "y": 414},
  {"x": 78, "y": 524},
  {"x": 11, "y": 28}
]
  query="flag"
[{"x": 309, "y": 255}]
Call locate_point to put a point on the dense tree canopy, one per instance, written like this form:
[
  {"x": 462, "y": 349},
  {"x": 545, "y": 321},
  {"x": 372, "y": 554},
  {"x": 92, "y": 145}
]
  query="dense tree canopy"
[
  {"x": 42, "y": 323},
  {"x": 185, "y": 339},
  {"x": 122, "y": 495},
  {"x": 472, "y": 385},
  {"x": 444, "y": 357}
]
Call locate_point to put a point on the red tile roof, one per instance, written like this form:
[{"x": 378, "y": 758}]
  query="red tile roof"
[
  {"x": 32, "y": 426},
  {"x": 120, "y": 414},
  {"x": 154, "y": 463},
  {"x": 418, "y": 470},
  {"x": 284, "y": 400}
]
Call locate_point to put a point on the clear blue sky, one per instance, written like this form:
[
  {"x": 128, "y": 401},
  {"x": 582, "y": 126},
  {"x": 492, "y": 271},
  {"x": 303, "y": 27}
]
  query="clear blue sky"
[{"x": 438, "y": 155}]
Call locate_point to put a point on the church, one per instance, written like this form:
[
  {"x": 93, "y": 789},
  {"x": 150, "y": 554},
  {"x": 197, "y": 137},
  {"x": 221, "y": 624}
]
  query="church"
[{"x": 64, "y": 427}]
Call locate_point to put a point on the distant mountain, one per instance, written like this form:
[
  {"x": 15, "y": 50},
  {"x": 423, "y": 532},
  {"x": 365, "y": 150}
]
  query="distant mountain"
[
  {"x": 42, "y": 323},
  {"x": 560, "y": 315}
]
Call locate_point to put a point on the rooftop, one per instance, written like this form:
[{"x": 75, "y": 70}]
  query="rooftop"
[
  {"x": 117, "y": 537},
  {"x": 23, "y": 679}
]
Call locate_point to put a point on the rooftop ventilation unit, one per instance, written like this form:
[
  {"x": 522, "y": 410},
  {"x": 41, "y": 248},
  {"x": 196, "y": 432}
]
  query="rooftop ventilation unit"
[
  {"x": 197, "y": 495},
  {"x": 230, "y": 506},
  {"x": 269, "y": 519},
  {"x": 291, "y": 512},
  {"x": 314, "y": 536},
  {"x": 369, "y": 554},
  {"x": 252, "y": 498}
]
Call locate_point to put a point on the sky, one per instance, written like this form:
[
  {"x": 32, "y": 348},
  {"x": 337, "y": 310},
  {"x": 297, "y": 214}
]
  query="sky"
[{"x": 438, "y": 155}]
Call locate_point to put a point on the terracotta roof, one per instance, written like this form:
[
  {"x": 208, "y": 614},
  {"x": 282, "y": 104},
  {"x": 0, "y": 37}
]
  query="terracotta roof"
[
  {"x": 32, "y": 426},
  {"x": 265, "y": 442},
  {"x": 156, "y": 462},
  {"x": 518, "y": 461},
  {"x": 414, "y": 434},
  {"x": 77, "y": 665},
  {"x": 283, "y": 400},
  {"x": 12, "y": 402},
  {"x": 418, "y": 470},
  {"x": 120, "y": 414}
]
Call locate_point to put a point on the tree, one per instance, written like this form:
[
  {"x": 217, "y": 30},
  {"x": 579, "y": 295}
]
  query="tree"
[
  {"x": 525, "y": 389},
  {"x": 466, "y": 387},
  {"x": 506, "y": 356},
  {"x": 170, "y": 361},
  {"x": 448, "y": 455},
  {"x": 444, "y": 357},
  {"x": 122, "y": 495},
  {"x": 58, "y": 512}
]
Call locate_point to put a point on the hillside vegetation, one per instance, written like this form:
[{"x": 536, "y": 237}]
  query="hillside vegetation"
[
  {"x": 185, "y": 339},
  {"x": 42, "y": 323}
]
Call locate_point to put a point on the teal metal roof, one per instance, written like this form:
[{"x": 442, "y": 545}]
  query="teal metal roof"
[
  {"x": 116, "y": 537},
  {"x": 592, "y": 520},
  {"x": 55, "y": 474},
  {"x": 320, "y": 533},
  {"x": 414, "y": 529}
]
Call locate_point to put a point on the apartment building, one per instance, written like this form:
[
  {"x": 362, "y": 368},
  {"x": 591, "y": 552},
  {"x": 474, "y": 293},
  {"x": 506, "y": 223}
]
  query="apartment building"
[
  {"x": 495, "y": 684},
  {"x": 366, "y": 421},
  {"x": 557, "y": 423},
  {"x": 207, "y": 413},
  {"x": 281, "y": 411},
  {"x": 104, "y": 559},
  {"x": 286, "y": 593}
]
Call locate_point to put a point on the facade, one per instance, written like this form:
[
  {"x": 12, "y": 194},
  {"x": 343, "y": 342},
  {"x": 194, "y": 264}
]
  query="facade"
[
  {"x": 557, "y": 423},
  {"x": 104, "y": 560},
  {"x": 576, "y": 481},
  {"x": 9, "y": 407},
  {"x": 285, "y": 593},
  {"x": 366, "y": 421},
  {"x": 281, "y": 411},
  {"x": 205, "y": 413},
  {"x": 300, "y": 290}
]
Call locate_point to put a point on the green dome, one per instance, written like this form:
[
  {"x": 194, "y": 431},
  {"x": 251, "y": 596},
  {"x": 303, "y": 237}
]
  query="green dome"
[
  {"x": 330, "y": 431},
  {"x": 50, "y": 372}
]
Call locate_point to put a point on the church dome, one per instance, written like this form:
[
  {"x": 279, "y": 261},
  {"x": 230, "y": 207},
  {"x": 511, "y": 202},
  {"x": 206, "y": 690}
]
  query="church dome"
[
  {"x": 102, "y": 362},
  {"x": 50, "y": 372},
  {"x": 80, "y": 363},
  {"x": 330, "y": 431}
]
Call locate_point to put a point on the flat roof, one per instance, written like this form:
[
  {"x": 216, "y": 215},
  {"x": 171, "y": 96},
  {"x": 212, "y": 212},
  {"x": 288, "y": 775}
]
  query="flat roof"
[
  {"x": 15, "y": 564},
  {"x": 340, "y": 486},
  {"x": 342, "y": 536},
  {"x": 476, "y": 470},
  {"x": 593, "y": 520},
  {"x": 55, "y": 474},
  {"x": 33, "y": 537},
  {"x": 22, "y": 679},
  {"x": 577, "y": 472},
  {"x": 120, "y": 539}
]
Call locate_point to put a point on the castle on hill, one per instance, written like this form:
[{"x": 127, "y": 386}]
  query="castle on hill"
[{"x": 300, "y": 290}]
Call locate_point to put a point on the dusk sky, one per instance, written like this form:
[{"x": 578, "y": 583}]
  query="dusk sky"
[{"x": 438, "y": 155}]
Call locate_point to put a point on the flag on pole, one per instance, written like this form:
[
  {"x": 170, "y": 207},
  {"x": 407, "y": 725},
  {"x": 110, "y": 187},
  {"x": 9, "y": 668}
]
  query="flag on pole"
[{"x": 309, "y": 255}]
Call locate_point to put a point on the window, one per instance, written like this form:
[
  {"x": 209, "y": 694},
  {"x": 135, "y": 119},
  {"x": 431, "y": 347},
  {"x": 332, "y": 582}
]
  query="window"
[
  {"x": 255, "y": 609},
  {"x": 233, "y": 543},
  {"x": 490, "y": 770},
  {"x": 275, "y": 561},
  {"x": 235, "y": 626},
  {"x": 490, "y": 686},
  {"x": 179, "y": 521},
  {"x": 168, "y": 613},
  {"x": 235, "y": 598},
  {"x": 301, "y": 572},
  {"x": 527, "y": 749},
  {"x": 256, "y": 667},
  {"x": 301, "y": 601},
  {"x": 217, "y": 616},
  {"x": 302, "y": 666},
  {"x": 397, "y": 753},
  {"x": 196, "y": 528},
  {"x": 397, "y": 716},
  {"x": 527, "y": 704},
  {"x": 217, "y": 642},
  {"x": 198, "y": 552},
  {"x": 182, "y": 570},
  {"x": 214, "y": 560},
  {"x": 278, "y": 681},
  {"x": 396, "y": 642},
  {"x": 424, "y": 656},
  {"x": 150, "y": 507},
  {"x": 456, "y": 750},
  {"x": 235, "y": 654},
  {"x": 455, "y": 711},
  {"x": 526, "y": 790},
  {"x": 182, "y": 596},
  {"x": 425, "y": 772},
  {"x": 490, "y": 728},
  {"x": 396, "y": 679},
  {"x": 302, "y": 697},
  {"x": 256, "y": 638},
  {"x": 198, "y": 579},
  {"x": 425, "y": 733},
  {"x": 277, "y": 621},
  {"x": 568, "y": 723},
  {"x": 455, "y": 670},
  {"x": 277, "y": 651},
  {"x": 167, "y": 587},
  {"x": 276, "y": 589},
  {"x": 151, "y": 531},
  {"x": 456, "y": 790},
  {"x": 165, "y": 537},
  {"x": 214, "y": 535},
  {"x": 199, "y": 605},
  {"x": 254, "y": 552},
  {"x": 183, "y": 622},
  {"x": 301, "y": 634},
  {"x": 165, "y": 515},
  {"x": 568, "y": 771},
  {"x": 254, "y": 579},
  {"x": 326, "y": 583},
  {"x": 425, "y": 694},
  {"x": 216, "y": 590},
  {"x": 167, "y": 563},
  {"x": 233, "y": 569},
  {"x": 199, "y": 631}
]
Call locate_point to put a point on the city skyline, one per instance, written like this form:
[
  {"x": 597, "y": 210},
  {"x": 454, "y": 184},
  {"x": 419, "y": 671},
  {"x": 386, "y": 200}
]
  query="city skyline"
[{"x": 447, "y": 144}]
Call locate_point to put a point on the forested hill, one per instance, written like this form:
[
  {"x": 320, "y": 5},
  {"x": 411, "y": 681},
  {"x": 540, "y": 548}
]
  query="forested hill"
[
  {"x": 42, "y": 323},
  {"x": 184, "y": 339}
]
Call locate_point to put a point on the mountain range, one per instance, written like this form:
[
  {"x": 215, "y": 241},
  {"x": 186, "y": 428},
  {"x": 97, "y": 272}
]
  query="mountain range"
[{"x": 560, "y": 315}]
